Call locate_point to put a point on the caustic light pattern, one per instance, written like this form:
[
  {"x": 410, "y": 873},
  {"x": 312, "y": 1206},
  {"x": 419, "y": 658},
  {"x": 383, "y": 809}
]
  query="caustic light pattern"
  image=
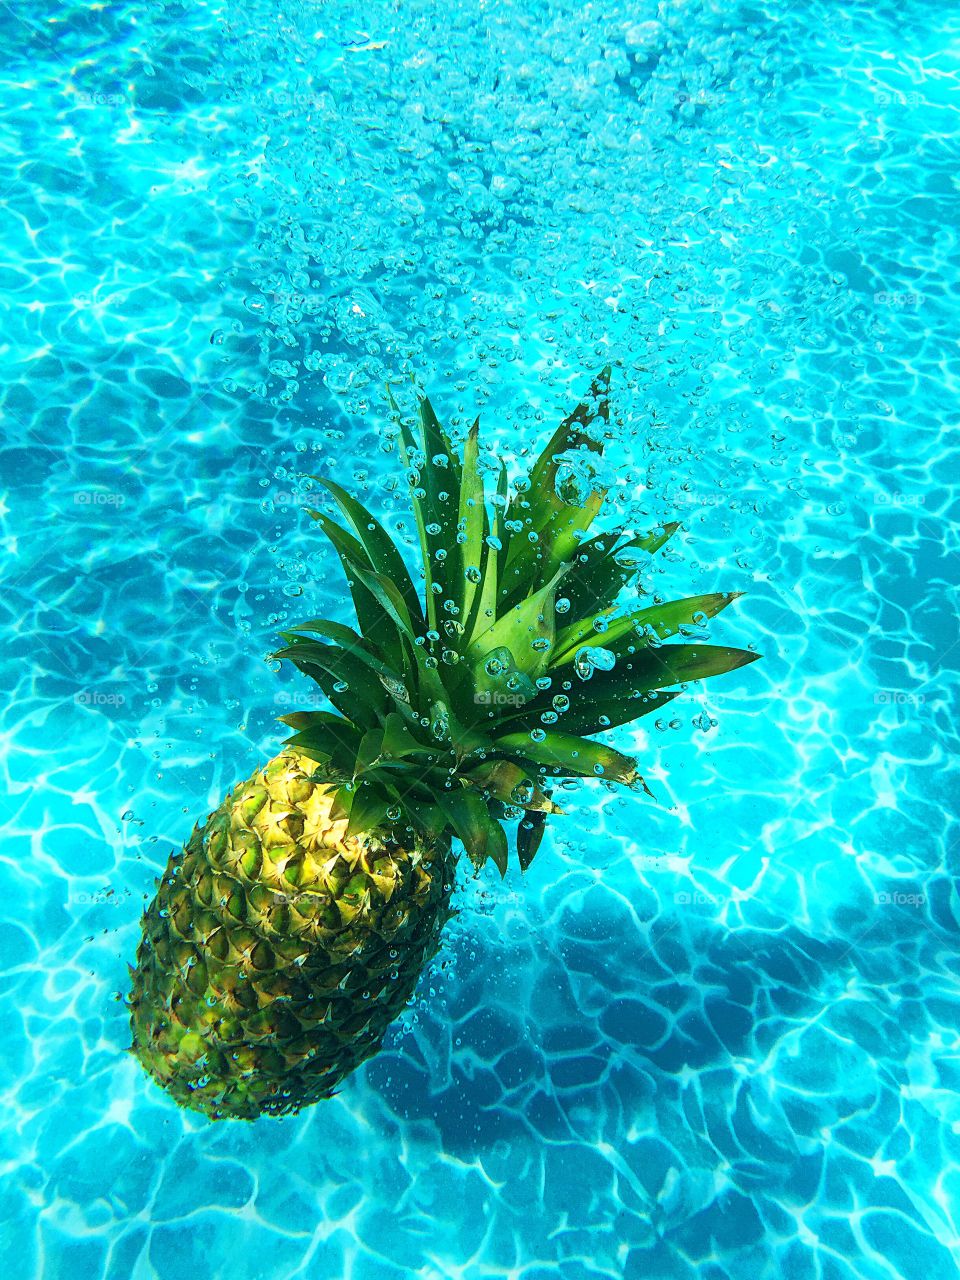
[{"x": 711, "y": 1034}]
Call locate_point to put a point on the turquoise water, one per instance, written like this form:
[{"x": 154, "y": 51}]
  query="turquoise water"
[{"x": 715, "y": 1034}]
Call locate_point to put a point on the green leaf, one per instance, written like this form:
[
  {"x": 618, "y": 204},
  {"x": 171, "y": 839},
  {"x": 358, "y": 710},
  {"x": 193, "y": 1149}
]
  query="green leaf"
[
  {"x": 637, "y": 685},
  {"x": 364, "y": 697},
  {"x": 328, "y": 742},
  {"x": 374, "y": 623},
  {"x": 399, "y": 743},
  {"x": 507, "y": 688},
  {"x": 368, "y": 810},
  {"x": 346, "y": 638},
  {"x": 652, "y": 542},
  {"x": 572, "y": 754},
  {"x": 497, "y": 845},
  {"x": 465, "y": 740},
  {"x": 527, "y": 630},
  {"x": 577, "y": 635},
  {"x": 483, "y": 610},
  {"x": 563, "y": 535},
  {"x": 657, "y": 668},
  {"x": 436, "y": 443},
  {"x": 572, "y": 434},
  {"x": 596, "y": 579},
  {"x": 429, "y": 819},
  {"x": 530, "y": 831},
  {"x": 531, "y": 564},
  {"x": 368, "y": 752},
  {"x": 408, "y": 450},
  {"x": 382, "y": 552},
  {"x": 300, "y": 720},
  {"x": 429, "y": 684},
  {"x": 664, "y": 620},
  {"x": 390, "y": 600},
  {"x": 558, "y": 521},
  {"x": 596, "y": 714},
  {"x": 501, "y": 509},
  {"x": 342, "y": 803},
  {"x": 466, "y": 812},
  {"x": 471, "y": 515},
  {"x": 435, "y": 490},
  {"x": 507, "y": 780}
]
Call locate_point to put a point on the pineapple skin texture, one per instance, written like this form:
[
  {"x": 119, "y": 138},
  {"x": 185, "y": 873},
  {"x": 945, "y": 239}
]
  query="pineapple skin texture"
[{"x": 278, "y": 950}]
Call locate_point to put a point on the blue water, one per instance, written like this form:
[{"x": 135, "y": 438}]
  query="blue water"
[{"x": 715, "y": 1034}]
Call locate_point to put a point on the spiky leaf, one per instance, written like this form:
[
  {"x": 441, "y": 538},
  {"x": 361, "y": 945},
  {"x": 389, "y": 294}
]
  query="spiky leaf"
[
  {"x": 467, "y": 814},
  {"x": 526, "y": 631},
  {"x": 619, "y": 632},
  {"x": 455, "y": 709},
  {"x": 598, "y": 576},
  {"x": 571, "y": 754},
  {"x": 530, "y": 831},
  {"x": 382, "y": 552},
  {"x": 471, "y": 519},
  {"x": 574, "y": 433},
  {"x": 368, "y": 809},
  {"x": 349, "y": 684},
  {"x": 512, "y": 784}
]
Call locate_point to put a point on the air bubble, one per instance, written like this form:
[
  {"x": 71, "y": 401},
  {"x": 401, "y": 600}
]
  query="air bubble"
[
  {"x": 630, "y": 558},
  {"x": 587, "y": 660}
]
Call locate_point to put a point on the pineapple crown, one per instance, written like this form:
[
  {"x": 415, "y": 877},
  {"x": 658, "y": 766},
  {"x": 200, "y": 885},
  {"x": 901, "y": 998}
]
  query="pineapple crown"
[{"x": 457, "y": 711}]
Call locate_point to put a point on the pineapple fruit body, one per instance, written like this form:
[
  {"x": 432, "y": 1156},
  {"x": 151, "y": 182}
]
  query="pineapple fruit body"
[{"x": 278, "y": 949}]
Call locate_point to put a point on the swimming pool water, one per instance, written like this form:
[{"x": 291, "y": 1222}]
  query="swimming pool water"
[{"x": 712, "y": 1035}]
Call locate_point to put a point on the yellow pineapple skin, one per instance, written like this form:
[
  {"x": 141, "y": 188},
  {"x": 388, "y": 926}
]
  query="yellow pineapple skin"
[{"x": 278, "y": 949}]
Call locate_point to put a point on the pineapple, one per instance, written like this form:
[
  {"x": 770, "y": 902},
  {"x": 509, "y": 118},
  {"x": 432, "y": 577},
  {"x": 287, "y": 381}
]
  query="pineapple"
[{"x": 292, "y": 929}]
